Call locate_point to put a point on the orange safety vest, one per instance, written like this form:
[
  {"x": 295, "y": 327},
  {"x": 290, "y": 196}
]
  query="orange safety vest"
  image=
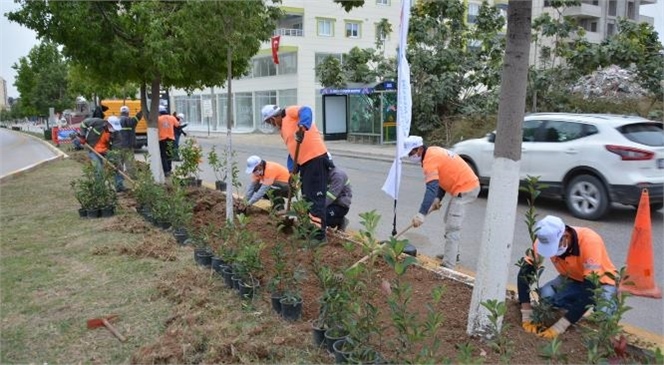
[
  {"x": 592, "y": 257},
  {"x": 312, "y": 145},
  {"x": 166, "y": 124},
  {"x": 452, "y": 172},
  {"x": 274, "y": 172},
  {"x": 103, "y": 144}
]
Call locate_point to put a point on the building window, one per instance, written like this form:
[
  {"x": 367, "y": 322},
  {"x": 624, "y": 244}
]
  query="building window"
[
  {"x": 325, "y": 27},
  {"x": 593, "y": 26},
  {"x": 613, "y": 7},
  {"x": 383, "y": 2},
  {"x": 287, "y": 97},
  {"x": 473, "y": 12},
  {"x": 631, "y": 10},
  {"x": 264, "y": 98},
  {"x": 352, "y": 30},
  {"x": 319, "y": 57},
  {"x": 190, "y": 106},
  {"x": 610, "y": 29},
  {"x": 502, "y": 10},
  {"x": 287, "y": 64},
  {"x": 244, "y": 112}
]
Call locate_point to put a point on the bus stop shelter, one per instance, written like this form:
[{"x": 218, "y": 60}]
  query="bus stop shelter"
[{"x": 361, "y": 113}]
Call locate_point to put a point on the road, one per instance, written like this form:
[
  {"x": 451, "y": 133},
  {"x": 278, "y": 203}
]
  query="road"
[
  {"x": 18, "y": 150},
  {"x": 367, "y": 177}
]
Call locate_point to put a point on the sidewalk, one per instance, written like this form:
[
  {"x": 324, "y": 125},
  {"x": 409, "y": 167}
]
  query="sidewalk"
[{"x": 336, "y": 148}]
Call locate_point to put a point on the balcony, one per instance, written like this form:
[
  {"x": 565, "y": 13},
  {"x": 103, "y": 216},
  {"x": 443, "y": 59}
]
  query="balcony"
[
  {"x": 648, "y": 2},
  {"x": 290, "y": 26},
  {"x": 646, "y": 19},
  {"x": 584, "y": 11}
]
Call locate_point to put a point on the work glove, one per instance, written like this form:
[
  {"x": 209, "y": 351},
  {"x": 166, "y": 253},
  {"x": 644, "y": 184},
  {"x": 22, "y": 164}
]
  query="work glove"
[
  {"x": 418, "y": 219},
  {"x": 299, "y": 135},
  {"x": 530, "y": 327},
  {"x": 435, "y": 205},
  {"x": 555, "y": 330}
]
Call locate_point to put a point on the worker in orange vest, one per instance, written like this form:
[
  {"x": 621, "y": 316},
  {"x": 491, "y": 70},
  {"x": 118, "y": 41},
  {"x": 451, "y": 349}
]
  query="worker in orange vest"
[
  {"x": 297, "y": 127},
  {"x": 266, "y": 176},
  {"x": 166, "y": 126},
  {"x": 444, "y": 172},
  {"x": 96, "y": 132},
  {"x": 576, "y": 253}
]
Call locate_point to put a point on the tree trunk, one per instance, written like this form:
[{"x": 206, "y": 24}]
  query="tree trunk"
[
  {"x": 229, "y": 146},
  {"x": 153, "y": 133},
  {"x": 498, "y": 232}
]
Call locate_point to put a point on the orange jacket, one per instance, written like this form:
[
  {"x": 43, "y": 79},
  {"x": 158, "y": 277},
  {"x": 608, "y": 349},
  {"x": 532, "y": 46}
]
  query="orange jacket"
[
  {"x": 452, "y": 172},
  {"x": 104, "y": 143},
  {"x": 588, "y": 255},
  {"x": 312, "y": 145},
  {"x": 166, "y": 124},
  {"x": 274, "y": 172}
]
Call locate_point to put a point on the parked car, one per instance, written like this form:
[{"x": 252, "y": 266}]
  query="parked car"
[{"x": 588, "y": 160}]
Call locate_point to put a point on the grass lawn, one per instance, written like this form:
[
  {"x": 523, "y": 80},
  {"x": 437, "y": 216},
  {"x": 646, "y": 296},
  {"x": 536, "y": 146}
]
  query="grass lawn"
[{"x": 58, "y": 270}]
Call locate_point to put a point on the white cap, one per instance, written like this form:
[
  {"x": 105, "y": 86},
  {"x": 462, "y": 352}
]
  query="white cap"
[
  {"x": 410, "y": 143},
  {"x": 115, "y": 122},
  {"x": 162, "y": 108},
  {"x": 550, "y": 230},
  {"x": 252, "y": 162},
  {"x": 124, "y": 109},
  {"x": 269, "y": 111},
  {"x": 180, "y": 115}
]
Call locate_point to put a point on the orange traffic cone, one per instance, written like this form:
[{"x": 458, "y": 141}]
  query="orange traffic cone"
[{"x": 640, "y": 262}]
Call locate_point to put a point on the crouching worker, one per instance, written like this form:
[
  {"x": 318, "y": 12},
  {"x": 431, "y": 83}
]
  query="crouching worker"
[
  {"x": 266, "y": 176},
  {"x": 576, "y": 253},
  {"x": 338, "y": 197}
]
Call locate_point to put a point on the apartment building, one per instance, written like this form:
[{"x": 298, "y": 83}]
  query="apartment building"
[
  {"x": 598, "y": 17},
  {"x": 310, "y": 31}
]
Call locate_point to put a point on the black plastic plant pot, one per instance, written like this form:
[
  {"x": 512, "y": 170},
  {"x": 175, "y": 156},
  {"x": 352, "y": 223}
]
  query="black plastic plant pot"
[
  {"x": 215, "y": 262},
  {"x": 220, "y": 185},
  {"x": 248, "y": 290},
  {"x": 181, "y": 236},
  {"x": 333, "y": 335},
  {"x": 107, "y": 212},
  {"x": 199, "y": 183},
  {"x": 368, "y": 357},
  {"x": 93, "y": 213},
  {"x": 82, "y": 212},
  {"x": 236, "y": 282},
  {"x": 318, "y": 333},
  {"x": 164, "y": 225},
  {"x": 275, "y": 299},
  {"x": 341, "y": 352},
  {"x": 227, "y": 274},
  {"x": 291, "y": 310},
  {"x": 203, "y": 257}
]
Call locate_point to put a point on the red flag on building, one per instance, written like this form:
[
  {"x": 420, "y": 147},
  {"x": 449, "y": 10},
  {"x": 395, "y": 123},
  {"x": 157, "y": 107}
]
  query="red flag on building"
[{"x": 275, "y": 49}]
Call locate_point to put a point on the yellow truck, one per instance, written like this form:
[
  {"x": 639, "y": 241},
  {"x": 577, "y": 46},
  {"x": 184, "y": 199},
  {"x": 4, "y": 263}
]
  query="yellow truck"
[{"x": 134, "y": 107}]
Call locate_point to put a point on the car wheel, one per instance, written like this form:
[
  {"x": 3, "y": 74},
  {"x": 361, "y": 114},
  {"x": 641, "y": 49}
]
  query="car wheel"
[{"x": 586, "y": 197}]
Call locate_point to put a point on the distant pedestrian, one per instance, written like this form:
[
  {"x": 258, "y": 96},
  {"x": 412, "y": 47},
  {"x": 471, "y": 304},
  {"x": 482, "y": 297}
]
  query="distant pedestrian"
[
  {"x": 297, "y": 127},
  {"x": 179, "y": 131},
  {"x": 166, "y": 126},
  {"x": 444, "y": 172}
]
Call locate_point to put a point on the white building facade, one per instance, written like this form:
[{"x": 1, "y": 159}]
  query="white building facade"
[{"x": 310, "y": 31}]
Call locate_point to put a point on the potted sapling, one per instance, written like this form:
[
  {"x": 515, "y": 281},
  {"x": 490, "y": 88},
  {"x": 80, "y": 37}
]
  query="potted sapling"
[
  {"x": 181, "y": 214},
  {"x": 187, "y": 171},
  {"x": 219, "y": 168},
  {"x": 276, "y": 284}
]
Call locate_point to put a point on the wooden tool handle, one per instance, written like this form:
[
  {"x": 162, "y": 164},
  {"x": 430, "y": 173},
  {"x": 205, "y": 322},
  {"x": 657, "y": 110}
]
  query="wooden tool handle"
[
  {"x": 109, "y": 163},
  {"x": 113, "y": 330}
]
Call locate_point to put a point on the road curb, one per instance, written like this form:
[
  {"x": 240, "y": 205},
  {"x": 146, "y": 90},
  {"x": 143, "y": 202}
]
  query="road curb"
[{"x": 20, "y": 172}]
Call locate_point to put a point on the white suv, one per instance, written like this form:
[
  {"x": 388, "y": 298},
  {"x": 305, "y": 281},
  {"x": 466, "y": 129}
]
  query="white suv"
[{"x": 590, "y": 160}]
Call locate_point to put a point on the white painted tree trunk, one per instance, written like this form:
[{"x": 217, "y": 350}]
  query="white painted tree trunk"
[
  {"x": 498, "y": 232},
  {"x": 155, "y": 156},
  {"x": 497, "y": 238}
]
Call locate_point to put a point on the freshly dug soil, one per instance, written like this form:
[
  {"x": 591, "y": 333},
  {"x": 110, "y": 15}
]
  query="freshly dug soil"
[{"x": 210, "y": 209}]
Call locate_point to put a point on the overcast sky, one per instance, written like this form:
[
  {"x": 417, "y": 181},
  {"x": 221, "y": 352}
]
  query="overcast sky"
[{"x": 16, "y": 41}]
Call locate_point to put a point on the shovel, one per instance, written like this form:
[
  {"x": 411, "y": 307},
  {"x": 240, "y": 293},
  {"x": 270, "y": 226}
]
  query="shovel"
[
  {"x": 104, "y": 322},
  {"x": 109, "y": 163},
  {"x": 290, "y": 221},
  {"x": 408, "y": 250}
]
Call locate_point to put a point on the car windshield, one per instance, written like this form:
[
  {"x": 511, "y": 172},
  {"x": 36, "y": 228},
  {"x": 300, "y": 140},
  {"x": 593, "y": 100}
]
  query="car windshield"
[{"x": 649, "y": 134}]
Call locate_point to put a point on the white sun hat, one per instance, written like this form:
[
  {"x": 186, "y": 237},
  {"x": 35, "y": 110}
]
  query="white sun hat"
[
  {"x": 550, "y": 230},
  {"x": 410, "y": 143},
  {"x": 252, "y": 162},
  {"x": 269, "y": 111}
]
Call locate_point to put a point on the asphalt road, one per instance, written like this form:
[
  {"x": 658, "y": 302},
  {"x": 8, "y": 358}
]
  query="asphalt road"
[
  {"x": 18, "y": 150},
  {"x": 367, "y": 177}
]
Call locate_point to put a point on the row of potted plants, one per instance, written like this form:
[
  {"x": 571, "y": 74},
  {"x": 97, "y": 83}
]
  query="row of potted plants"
[{"x": 95, "y": 192}]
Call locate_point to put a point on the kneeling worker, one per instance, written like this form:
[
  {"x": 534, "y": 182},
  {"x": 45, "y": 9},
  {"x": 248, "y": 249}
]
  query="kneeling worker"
[
  {"x": 338, "y": 197},
  {"x": 265, "y": 176},
  {"x": 576, "y": 252}
]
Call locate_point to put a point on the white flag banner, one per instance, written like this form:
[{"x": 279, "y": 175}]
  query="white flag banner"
[{"x": 404, "y": 104}]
